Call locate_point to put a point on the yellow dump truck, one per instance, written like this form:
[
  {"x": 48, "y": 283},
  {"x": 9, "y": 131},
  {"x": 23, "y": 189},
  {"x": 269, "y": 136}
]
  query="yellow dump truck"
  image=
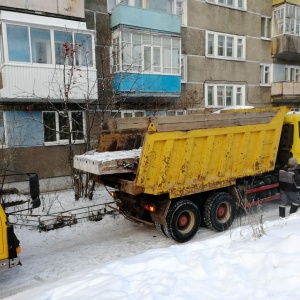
[
  {"x": 9, "y": 243},
  {"x": 182, "y": 171}
]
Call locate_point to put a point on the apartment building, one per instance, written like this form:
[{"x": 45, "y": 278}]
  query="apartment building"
[
  {"x": 47, "y": 79},
  {"x": 182, "y": 55},
  {"x": 226, "y": 53},
  {"x": 136, "y": 58},
  {"x": 285, "y": 49},
  {"x": 146, "y": 47}
]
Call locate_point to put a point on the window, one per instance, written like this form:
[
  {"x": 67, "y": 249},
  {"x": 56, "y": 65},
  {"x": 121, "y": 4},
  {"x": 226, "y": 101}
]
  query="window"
[
  {"x": 18, "y": 43},
  {"x": 115, "y": 55},
  {"x": 147, "y": 53},
  {"x": 287, "y": 20},
  {"x": 126, "y": 113},
  {"x": 167, "y": 6},
  {"x": 175, "y": 112},
  {"x": 83, "y": 47},
  {"x": 221, "y": 95},
  {"x": 225, "y": 46},
  {"x": 63, "y": 48},
  {"x": 292, "y": 73},
  {"x": 265, "y": 73},
  {"x": 58, "y": 124},
  {"x": 43, "y": 46},
  {"x": 1, "y": 48},
  {"x": 266, "y": 27},
  {"x": 238, "y": 4}
]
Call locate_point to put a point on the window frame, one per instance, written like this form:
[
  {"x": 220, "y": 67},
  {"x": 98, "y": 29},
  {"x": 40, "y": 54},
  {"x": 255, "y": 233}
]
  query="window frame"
[
  {"x": 234, "y": 5},
  {"x": 52, "y": 41},
  {"x": 265, "y": 70},
  {"x": 215, "y": 49},
  {"x": 145, "y": 5},
  {"x": 291, "y": 73},
  {"x": 222, "y": 93},
  {"x": 167, "y": 47},
  {"x": 122, "y": 113},
  {"x": 61, "y": 141},
  {"x": 286, "y": 20},
  {"x": 266, "y": 25}
]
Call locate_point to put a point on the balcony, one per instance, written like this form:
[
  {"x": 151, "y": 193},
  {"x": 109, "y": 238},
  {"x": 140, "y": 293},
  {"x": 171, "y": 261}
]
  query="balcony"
[
  {"x": 143, "y": 18},
  {"x": 285, "y": 92},
  {"x": 147, "y": 85},
  {"x": 276, "y": 2},
  {"x": 24, "y": 82},
  {"x": 286, "y": 47}
]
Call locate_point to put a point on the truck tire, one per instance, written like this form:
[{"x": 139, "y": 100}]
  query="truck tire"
[
  {"x": 183, "y": 221},
  {"x": 219, "y": 211}
]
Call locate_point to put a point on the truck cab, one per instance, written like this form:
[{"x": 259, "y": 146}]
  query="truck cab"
[
  {"x": 291, "y": 132},
  {"x": 9, "y": 244}
]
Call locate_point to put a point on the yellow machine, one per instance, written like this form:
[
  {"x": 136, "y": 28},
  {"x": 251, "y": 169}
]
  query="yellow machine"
[
  {"x": 9, "y": 244},
  {"x": 292, "y": 133},
  {"x": 193, "y": 169}
]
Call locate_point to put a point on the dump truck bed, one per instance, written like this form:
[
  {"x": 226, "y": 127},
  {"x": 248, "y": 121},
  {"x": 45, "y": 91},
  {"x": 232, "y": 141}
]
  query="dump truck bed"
[{"x": 184, "y": 155}]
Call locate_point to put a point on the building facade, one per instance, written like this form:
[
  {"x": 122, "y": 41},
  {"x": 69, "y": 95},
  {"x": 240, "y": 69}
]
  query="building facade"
[
  {"x": 285, "y": 52},
  {"x": 226, "y": 53},
  {"x": 48, "y": 78},
  {"x": 89, "y": 60}
]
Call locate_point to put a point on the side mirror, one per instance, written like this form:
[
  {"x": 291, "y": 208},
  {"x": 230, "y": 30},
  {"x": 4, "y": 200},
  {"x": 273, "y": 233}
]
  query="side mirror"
[
  {"x": 36, "y": 203},
  {"x": 34, "y": 187}
]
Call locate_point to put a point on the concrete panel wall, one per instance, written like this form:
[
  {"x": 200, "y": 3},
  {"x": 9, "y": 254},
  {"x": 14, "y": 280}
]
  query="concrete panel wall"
[
  {"x": 203, "y": 16},
  {"x": 52, "y": 161},
  {"x": 263, "y": 7},
  {"x": 71, "y": 8},
  {"x": 203, "y": 69},
  {"x": 98, "y": 19},
  {"x": 210, "y": 17}
]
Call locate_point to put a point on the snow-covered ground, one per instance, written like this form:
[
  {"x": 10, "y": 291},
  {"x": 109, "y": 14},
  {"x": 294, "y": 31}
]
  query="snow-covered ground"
[{"x": 117, "y": 259}]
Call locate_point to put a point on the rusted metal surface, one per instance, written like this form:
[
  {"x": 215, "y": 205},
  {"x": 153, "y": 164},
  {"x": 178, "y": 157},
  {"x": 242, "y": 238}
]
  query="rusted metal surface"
[
  {"x": 185, "y": 155},
  {"x": 183, "y": 163},
  {"x": 120, "y": 140},
  {"x": 125, "y": 185}
]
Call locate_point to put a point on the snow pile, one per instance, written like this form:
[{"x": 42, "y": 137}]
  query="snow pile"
[{"x": 230, "y": 265}]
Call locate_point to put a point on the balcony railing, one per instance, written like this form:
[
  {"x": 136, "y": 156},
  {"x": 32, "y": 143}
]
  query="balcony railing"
[
  {"x": 38, "y": 82},
  {"x": 285, "y": 91}
]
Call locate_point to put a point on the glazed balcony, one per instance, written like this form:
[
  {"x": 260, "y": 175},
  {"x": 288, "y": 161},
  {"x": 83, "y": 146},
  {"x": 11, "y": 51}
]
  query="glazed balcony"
[{"x": 144, "y": 18}]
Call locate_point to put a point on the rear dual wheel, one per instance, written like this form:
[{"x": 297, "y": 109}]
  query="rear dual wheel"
[
  {"x": 183, "y": 221},
  {"x": 219, "y": 211}
]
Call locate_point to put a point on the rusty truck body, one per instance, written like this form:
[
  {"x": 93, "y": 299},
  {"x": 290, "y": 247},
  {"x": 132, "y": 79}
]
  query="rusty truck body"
[{"x": 182, "y": 171}]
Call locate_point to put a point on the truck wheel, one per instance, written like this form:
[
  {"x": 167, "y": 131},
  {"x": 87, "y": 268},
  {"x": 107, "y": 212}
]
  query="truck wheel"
[
  {"x": 183, "y": 220},
  {"x": 219, "y": 211}
]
